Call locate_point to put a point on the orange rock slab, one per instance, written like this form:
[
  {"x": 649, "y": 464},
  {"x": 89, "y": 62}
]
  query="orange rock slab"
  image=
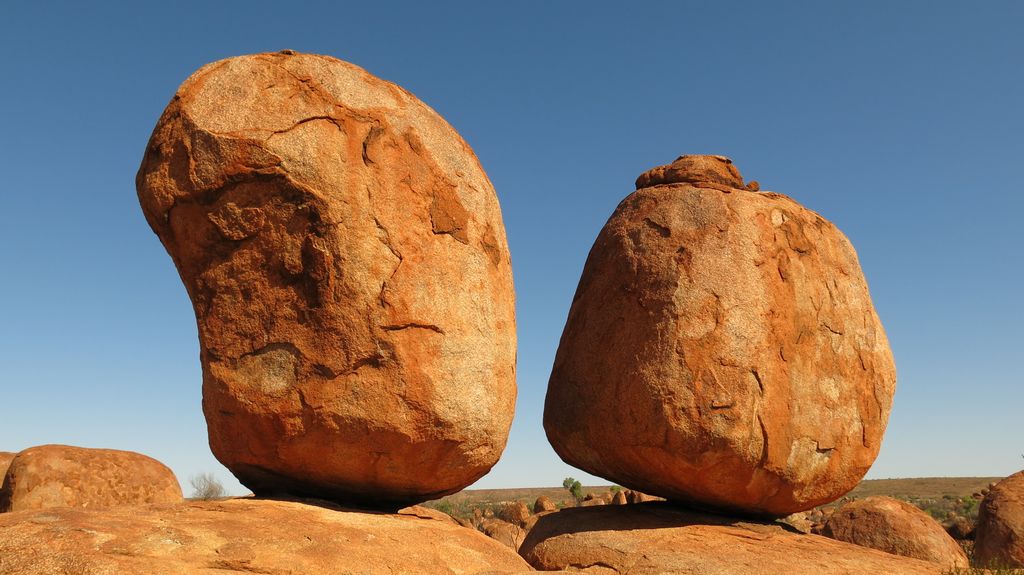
[
  {"x": 657, "y": 539},
  {"x": 65, "y": 476},
  {"x": 346, "y": 259},
  {"x": 721, "y": 349},
  {"x": 243, "y": 536}
]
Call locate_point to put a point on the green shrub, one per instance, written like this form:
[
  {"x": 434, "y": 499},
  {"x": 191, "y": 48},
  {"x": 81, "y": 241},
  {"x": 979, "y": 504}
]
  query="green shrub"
[{"x": 575, "y": 489}]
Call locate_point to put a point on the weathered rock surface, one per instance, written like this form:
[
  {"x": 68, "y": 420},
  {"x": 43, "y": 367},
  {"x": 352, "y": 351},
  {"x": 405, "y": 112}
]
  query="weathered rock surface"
[
  {"x": 508, "y": 534},
  {"x": 896, "y": 527},
  {"x": 721, "y": 349},
  {"x": 654, "y": 538},
  {"x": 999, "y": 536},
  {"x": 544, "y": 503},
  {"x": 347, "y": 263},
  {"x": 428, "y": 513},
  {"x": 242, "y": 536},
  {"x": 638, "y": 497},
  {"x": 65, "y": 476},
  {"x": 960, "y": 528},
  {"x": 5, "y": 461},
  {"x": 515, "y": 512}
]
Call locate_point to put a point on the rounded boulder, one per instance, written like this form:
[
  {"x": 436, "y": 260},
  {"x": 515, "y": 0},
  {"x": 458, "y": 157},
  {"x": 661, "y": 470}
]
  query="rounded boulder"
[
  {"x": 65, "y": 476},
  {"x": 895, "y": 527},
  {"x": 721, "y": 349},
  {"x": 999, "y": 536},
  {"x": 346, "y": 259}
]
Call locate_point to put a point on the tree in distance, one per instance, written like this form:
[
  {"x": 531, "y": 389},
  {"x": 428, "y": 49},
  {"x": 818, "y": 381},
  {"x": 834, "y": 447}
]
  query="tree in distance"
[{"x": 575, "y": 489}]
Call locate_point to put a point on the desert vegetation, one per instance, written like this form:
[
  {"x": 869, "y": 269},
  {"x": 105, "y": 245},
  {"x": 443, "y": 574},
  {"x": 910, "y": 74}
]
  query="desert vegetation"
[{"x": 205, "y": 487}]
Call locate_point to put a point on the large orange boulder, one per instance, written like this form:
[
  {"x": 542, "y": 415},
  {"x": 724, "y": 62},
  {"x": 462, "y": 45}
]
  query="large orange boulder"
[
  {"x": 347, "y": 263},
  {"x": 999, "y": 537},
  {"x": 896, "y": 527},
  {"x": 721, "y": 349},
  {"x": 65, "y": 476},
  {"x": 657, "y": 539},
  {"x": 243, "y": 536}
]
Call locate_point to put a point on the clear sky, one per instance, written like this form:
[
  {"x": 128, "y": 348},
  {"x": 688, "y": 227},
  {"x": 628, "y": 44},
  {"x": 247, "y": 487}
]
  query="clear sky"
[{"x": 902, "y": 122}]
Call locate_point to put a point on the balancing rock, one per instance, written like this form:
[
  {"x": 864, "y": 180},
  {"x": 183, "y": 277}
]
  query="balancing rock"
[
  {"x": 721, "y": 349},
  {"x": 347, "y": 263}
]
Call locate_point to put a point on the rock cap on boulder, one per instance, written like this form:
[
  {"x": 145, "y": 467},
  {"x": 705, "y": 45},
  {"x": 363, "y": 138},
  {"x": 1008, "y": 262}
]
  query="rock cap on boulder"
[{"x": 716, "y": 172}]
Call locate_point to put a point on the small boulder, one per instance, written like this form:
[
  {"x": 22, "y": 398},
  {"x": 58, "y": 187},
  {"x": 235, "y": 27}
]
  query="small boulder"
[
  {"x": 66, "y": 476},
  {"x": 242, "y": 537},
  {"x": 999, "y": 537},
  {"x": 515, "y": 512},
  {"x": 543, "y": 504},
  {"x": 619, "y": 498},
  {"x": 633, "y": 496},
  {"x": 660, "y": 539},
  {"x": 427, "y": 513},
  {"x": 503, "y": 532},
  {"x": 960, "y": 528},
  {"x": 799, "y": 521},
  {"x": 895, "y": 527}
]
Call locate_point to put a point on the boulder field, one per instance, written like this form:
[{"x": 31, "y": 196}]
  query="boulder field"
[
  {"x": 346, "y": 259},
  {"x": 721, "y": 350},
  {"x": 65, "y": 476}
]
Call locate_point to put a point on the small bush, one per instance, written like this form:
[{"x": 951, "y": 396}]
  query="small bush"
[{"x": 205, "y": 487}]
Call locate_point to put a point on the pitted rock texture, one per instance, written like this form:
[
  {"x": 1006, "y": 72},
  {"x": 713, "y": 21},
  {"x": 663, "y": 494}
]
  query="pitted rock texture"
[
  {"x": 721, "y": 349},
  {"x": 346, "y": 258},
  {"x": 896, "y": 527},
  {"x": 657, "y": 539},
  {"x": 64, "y": 476},
  {"x": 999, "y": 537},
  {"x": 243, "y": 536}
]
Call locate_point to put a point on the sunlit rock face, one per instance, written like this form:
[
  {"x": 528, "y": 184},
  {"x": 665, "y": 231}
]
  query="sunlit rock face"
[
  {"x": 721, "y": 349},
  {"x": 347, "y": 262}
]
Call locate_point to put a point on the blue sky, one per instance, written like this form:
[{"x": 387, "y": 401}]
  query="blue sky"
[{"x": 901, "y": 122}]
